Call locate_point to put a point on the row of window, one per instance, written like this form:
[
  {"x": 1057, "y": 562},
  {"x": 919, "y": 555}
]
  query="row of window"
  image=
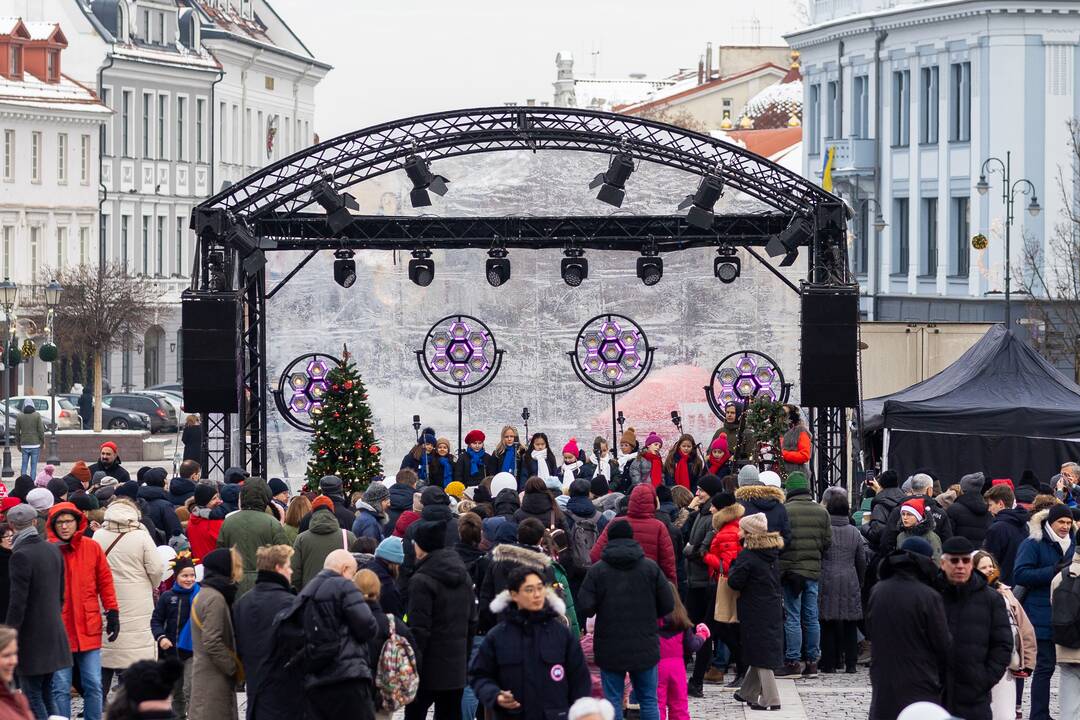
[
  {"x": 150, "y": 367},
  {"x": 271, "y": 139},
  {"x": 154, "y": 126},
  {"x": 39, "y": 253},
  {"x": 929, "y": 238},
  {"x": 959, "y": 107},
  {"x": 151, "y": 255},
  {"x": 37, "y": 155}
]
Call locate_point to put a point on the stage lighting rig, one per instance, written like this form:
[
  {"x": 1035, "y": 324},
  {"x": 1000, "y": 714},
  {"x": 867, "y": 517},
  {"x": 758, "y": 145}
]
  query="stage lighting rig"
[
  {"x": 727, "y": 265},
  {"x": 498, "y": 267},
  {"x": 612, "y": 183},
  {"x": 701, "y": 202},
  {"x": 421, "y": 268},
  {"x": 344, "y": 268},
  {"x": 336, "y": 204},
  {"x": 419, "y": 171},
  {"x": 650, "y": 266},
  {"x": 787, "y": 241},
  {"x": 575, "y": 267}
]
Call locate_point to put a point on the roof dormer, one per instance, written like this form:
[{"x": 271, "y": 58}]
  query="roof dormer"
[
  {"x": 13, "y": 39},
  {"x": 42, "y": 53}
]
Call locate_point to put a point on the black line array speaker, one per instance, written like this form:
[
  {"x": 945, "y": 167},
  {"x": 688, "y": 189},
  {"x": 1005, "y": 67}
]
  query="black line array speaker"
[
  {"x": 210, "y": 326},
  {"x": 828, "y": 374}
]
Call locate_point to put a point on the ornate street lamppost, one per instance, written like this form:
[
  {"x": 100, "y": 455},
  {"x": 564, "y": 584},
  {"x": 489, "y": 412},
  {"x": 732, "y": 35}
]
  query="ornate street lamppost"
[
  {"x": 9, "y": 294},
  {"x": 53, "y": 291}
]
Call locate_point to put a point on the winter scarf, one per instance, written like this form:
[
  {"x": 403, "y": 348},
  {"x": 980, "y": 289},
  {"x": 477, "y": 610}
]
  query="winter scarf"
[
  {"x": 447, "y": 468},
  {"x": 682, "y": 470},
  {"x": 624, "y": 459},
  {"x": 476, "y": 460},
  {"x": 22, "y": 535},
  {"x": 714, "y": 468},
  {"x": 568, "y": 472},
  {"x": 509, "y": 462},
  {"x": 656, "y": 473},
  {"x": 542, "y": 469},
  {"x": 422, "y": 466},
  {"x": 1063, "y": 542},
  {"x": 183, "y": 637}
]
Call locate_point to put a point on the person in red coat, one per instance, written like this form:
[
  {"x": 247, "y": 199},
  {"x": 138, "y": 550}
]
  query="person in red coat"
[
  {"x": 204, "y": 525},
  {"x": 13, "y": 704},
  {"x": 725, "y": 547},
  {"x": 88, "y": 587},
  {"x": 650, "y": 533}
]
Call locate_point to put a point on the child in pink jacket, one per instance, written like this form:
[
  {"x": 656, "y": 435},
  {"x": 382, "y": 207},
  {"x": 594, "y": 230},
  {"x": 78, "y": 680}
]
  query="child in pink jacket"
[{"x": 678, "y": 637}]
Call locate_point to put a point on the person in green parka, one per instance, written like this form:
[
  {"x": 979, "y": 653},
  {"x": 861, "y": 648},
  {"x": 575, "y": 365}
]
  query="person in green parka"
[{"x": 251, "y": 528}]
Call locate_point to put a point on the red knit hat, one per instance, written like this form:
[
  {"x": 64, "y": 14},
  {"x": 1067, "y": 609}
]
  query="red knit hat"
[
  {"x": 571, "y": 448},
  {"x": 322, "y": 502},
  {"x": 475, "y": 436},
  {"x": 110, "y": 444},
  {"x": 720, "y": 443},
  {"x": 406, "y": 519},
  {"x": 914, "y": 506},
  {"x": 1003, "y": 481}
]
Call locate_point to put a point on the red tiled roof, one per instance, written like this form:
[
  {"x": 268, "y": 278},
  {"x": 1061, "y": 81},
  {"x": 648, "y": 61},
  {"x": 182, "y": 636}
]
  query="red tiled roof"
[{"x": 766, "y": 142}]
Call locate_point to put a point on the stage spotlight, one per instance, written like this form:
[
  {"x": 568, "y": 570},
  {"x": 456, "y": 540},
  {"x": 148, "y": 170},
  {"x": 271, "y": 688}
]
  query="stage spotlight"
[
  {"x": 650, "y": 268},
  {"x": 727, "y": 265},
  {"x": 498, "y": 267},
  {"x": 422, "y": 268},
  {"x": 575, "y": 267},
  {"x": 344, "y": 268},
  {"x": 701, "y": 202},
  {"x": 419, "y": 171},
  {"x": 336, "y": 204},
  {"x": 787, "y": 241},
  {"x": 790, "y": 259},
  {"x": 612, "y": 183}
]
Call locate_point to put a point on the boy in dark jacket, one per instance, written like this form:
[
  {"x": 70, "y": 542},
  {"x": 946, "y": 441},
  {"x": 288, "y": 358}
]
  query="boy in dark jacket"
[
  {"x": 161, "y": 510},
  {"x": 969, "y": 515},
  {"x": 1007, "y": 531},
  {"x": 169, "y": 625},
  {"x": 628, "y": 593}
]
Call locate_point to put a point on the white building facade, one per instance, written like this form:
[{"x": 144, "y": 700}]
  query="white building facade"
[{"x": 914, "y": 96}]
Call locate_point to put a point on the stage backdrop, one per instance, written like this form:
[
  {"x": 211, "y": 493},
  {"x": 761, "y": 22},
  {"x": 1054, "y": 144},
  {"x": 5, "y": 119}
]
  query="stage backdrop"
[{"x": 690, "y": 317}]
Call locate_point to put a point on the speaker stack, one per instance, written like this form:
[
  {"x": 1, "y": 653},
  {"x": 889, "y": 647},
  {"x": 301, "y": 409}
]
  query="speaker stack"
[
  {"x": 829, "y": 370},
  {"x": 210, "y": 326}
]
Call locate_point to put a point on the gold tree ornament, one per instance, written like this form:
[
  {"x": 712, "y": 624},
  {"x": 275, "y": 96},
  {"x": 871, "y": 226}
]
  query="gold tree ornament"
[
  {"x": 28, "y": 348},
  {"x": 980, "y": 242}
]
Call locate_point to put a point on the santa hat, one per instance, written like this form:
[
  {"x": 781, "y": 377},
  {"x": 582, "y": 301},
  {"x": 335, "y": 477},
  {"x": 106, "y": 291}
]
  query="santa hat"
[
  {"x": 914, "y": 506},
  {"x": 475, "y": 436},
  {"x": 571, "y": 447},
  {"x": 1003, "y": 481}
]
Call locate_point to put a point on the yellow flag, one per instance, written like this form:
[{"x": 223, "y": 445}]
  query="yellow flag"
[{"x": 826, "y": 171}]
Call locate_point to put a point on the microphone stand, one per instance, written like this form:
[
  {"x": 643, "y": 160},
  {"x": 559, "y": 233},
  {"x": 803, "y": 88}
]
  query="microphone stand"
[{"x": 525, "y": 417}]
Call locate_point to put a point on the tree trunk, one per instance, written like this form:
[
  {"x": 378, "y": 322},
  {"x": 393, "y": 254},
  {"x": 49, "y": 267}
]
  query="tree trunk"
[{"x": 97, "y": 391}]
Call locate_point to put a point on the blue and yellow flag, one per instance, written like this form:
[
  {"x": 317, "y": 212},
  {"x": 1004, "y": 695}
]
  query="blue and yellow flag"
[{"x": 826, "y": 168}]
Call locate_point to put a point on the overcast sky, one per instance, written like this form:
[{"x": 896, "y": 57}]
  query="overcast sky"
[{"x": 404, "y": 57}]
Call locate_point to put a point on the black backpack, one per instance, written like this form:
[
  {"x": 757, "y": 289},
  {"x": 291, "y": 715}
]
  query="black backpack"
[
  {"x": 303, "y": 635},
  {"x": 1065, "y": 611}
]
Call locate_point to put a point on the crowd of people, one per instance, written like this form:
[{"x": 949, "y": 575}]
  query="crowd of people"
[{"x": 510, "y": 584}]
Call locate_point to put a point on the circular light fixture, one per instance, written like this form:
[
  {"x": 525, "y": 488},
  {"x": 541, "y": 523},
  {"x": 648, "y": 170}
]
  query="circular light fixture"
[{"x": 302, "y": 388}]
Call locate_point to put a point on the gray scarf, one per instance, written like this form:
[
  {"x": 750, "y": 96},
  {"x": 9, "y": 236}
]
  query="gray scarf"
[{"x": 21, "y": 535}]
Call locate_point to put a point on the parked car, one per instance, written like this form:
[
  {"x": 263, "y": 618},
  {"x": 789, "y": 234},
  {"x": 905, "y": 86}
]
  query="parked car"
[
  {"x": 67, "y": 413},
  {"x": 172, "y": 388},
  {"x": 176, "y": 402},
  {"x": 117, "y": 418},
  {"x": 162, "y": 416}
]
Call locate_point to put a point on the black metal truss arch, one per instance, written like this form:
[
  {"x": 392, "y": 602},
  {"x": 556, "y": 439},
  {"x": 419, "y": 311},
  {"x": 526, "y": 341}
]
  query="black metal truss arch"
[{"x": 284, "y": 187}]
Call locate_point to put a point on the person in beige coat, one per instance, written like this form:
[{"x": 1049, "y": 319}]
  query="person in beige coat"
[
  {"x": 1068, "y": 659},
  {"x": 1003, "y": 698},
  {"x": 216, "y": 670},
  {"x": 137, "y": 569}
]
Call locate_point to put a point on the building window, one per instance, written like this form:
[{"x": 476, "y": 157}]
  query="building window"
[
  {"x": 813, "y": 120},
  {"x": 35, "y": 157},
  {"x": 235, "y": 138},
  {"x": 125, "y": 243},
  {"x": 146, "y": 26},
  {"x": 147, "y": 121},
  {"x": 180, "y": 102},
  {"x": 15, "y": 62},
  {"x": 52, "y": 65},
  {"x": 61, "y": 158},
  {"x": 861, "y": 248},
  {"x": 9, "y": 243},
  {"x": 84, "y": 245},
  {"x": 960, "y": 103},
  {"x": 125, "y": 365},
  {"x": 161, "y": 28},
  {"x": 200, "y": 117},
  {"x": 860, "y": 107},
  {"x": 61, "y": 247},
  {"x": 35, "y": 245},
  {"x": 179, "y": 355},
  {"x": 84, "y": 159},
  {"x": 104, "y": 233},
  {"x": 159, "y": 265},
  {"x": 928, "y": 261},
  {"x": 125, "y": 126},
  {"x": 106, "y": 127},
  {"x": 247, "y": 133},
  {"x": 901, "y": 110},
  {"x": 162, "y": 119},
  {"x": 180, "y": 246},
  {"x": 900, "y": 237},
  {"x": 9, "y": 154},
  {"x": 928, "y": 106},
  {"x": 222, "y": 131},
  {"x": 961, "y": 230},
  {"x": 832, "y": 117},
  {"x": 259, "y": 138},
  {"x": 145, "y": 245}
]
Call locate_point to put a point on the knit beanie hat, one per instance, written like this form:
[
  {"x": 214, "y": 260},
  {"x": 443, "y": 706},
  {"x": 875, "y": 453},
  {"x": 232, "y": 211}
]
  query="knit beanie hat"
[
  {"x": 719, "y": 443},
  {"x": 391, "y": 550},
  {"x": 918, "y": 546},
  {"x": 797, "y": 481},
  {"x": 80, "y": 472},
  {"x": 663, "y": 493},
  {"x": 653, "y": 438},
  {"x": 579, "y": 488},
  {"x": 598, "y": 486},
  {"x": 277, "y": 486},
  {"x": 58, "y": 488},
  {"x": 769, "y": 478},
  {"x": 41, "y": 499},
  {"x": 430, "y": 535},
  {"x": 427, "y": 436},
  {"x": 322, "y": 502},
  {"x": 375, "y": 494},
  {"x": 888, "y": 479},
  {"x": 1003, "y": 481},
  {"x": 629, "y": 438},
  {"x": 710, "y": 484},
  {"x": 1056, "y": 513},
  {"x": 1028, "y": 478},
  {"x": 749, "y": 475},
  {"x": 21, "y": 517},
  {"x": 503, "y": 481},
  {"x": 443, "y": 441},
  {"x": 620, "y": 529},
  {"x": 404, "y": 520},
  {"x": 455, "y": 489},
  {"x": 972, "y": 483},
  {"x": 915, "y": 507},
  {"x": 475, "y": 436},
  {"x": 129, "y": 489},
  {"x": 204, "y": 493},
  {"x": 432, "y": 495},
  {"x": 722, "y": 500},
  {"x": 756, "y": 524},
  {"x": 571, "y": 447}
]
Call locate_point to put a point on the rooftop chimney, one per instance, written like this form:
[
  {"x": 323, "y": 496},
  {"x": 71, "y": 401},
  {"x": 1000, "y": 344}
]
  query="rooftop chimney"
[{"x": 708, "y": 62}]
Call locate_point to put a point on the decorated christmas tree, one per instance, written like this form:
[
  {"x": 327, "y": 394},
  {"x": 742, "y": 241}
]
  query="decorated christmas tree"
[
  {"x": 344, "y": 441},
  {"x": 765, "y": 420}
]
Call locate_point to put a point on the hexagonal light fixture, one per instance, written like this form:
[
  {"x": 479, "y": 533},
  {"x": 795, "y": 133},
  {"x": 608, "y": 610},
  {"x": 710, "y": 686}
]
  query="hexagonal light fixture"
[
  {"x": 440, "y": 364},
  {"x": 459, "y": 330},
  {"x": 440, "y": 340},
  {"x": 628, "y": 339},
  {"x": 477, "y": 340},
  {"x": 592, "y": 340},
  {"x": 459, "y": 351},
  {"x": 746, "y": 365},
  {"x": 611, "y": 351},
  {"x": 728, "y": 376},
  {"x": 610, "y": 330},
  {"x": 630, "y": 360},
  {"x": 317, "y": 369},
  {"x": 298, "y": 381}
]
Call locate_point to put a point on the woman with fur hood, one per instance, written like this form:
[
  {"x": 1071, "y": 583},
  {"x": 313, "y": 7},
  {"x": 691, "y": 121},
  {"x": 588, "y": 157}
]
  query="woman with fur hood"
[
  {"x": 757, "y": 497},
  {"x": 755, "y": 575},
  {"x": 1004, "y": 698},
  {"x": 529, "y": 666}
]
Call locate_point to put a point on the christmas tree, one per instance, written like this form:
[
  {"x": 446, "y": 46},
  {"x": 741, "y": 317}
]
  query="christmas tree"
[{"x": 344, "y": 441}]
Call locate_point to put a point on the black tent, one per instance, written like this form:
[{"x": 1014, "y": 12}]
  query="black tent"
[{"x": 1000, "y": 408}]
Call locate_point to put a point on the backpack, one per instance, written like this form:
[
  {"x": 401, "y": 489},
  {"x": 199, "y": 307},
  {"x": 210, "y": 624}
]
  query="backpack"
[
  {"x": 320, "y": 637},
  {"x": 1065, "y": 611},
  {"x": 582, "y": 539},
  {"x": 396, "y": 677}
]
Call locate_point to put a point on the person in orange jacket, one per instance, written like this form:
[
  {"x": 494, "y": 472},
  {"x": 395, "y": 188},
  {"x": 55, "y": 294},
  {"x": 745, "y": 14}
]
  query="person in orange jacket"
[
  {"x": 88, "y": 587},
  {"x": 796, "y": 444}
]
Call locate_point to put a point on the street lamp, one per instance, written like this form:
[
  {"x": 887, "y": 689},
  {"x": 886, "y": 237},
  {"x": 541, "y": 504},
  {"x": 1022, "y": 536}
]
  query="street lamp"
[
  {"x": 1008, "y": 197},
  {"x": 879, "y": 223},
  {"x": 9, "y": 293},
  {"x": 53, "y": 291}
]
